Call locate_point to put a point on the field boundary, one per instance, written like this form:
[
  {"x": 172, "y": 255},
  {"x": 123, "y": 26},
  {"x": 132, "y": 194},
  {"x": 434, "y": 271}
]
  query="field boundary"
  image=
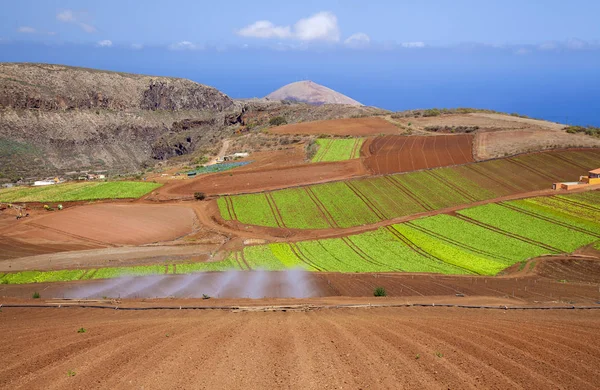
[{"x": 285, "y": 308}]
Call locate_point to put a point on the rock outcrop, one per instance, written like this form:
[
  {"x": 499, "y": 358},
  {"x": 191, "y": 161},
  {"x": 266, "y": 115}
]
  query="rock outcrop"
[{"x": 57, "y": 118}]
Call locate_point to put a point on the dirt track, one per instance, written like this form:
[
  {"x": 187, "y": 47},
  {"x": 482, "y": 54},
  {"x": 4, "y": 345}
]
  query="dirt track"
[
  {"x": 349, "y": 126},
  {"x": 391, "y": 154},
  {"x": 346, "y": 348}
]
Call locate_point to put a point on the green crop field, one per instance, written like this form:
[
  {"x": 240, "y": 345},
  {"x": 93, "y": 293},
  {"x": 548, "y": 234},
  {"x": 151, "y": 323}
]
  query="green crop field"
[
  {"x": 482, "y": 240},
  {"x": 78, "y": 191},
  {"x": 335, "y": 149},
  {"x": 366, "y": 201}
]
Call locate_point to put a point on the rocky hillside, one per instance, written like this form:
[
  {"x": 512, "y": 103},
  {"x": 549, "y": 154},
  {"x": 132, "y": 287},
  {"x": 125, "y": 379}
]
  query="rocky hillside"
[
  {"x": 56, "y": 118},
  {"x": 311, "y": 93}
]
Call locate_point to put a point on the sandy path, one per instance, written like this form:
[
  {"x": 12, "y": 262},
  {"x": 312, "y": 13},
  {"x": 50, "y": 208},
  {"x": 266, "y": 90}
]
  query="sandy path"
[{"x": 350, "y": 348}]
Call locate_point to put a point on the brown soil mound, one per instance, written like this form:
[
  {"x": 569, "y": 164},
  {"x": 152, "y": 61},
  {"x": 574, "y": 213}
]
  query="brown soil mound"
[
  {"x": 418, "y": 348},
  {"x": 390, "y": 154},
  {"x": 349, "y": 126},
  {"x": 257, "y": 180},
  {"x": 125, "y": 224}
]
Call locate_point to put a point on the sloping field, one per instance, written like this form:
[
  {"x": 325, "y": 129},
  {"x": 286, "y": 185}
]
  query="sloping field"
[
  {"x": 125, "y": 224},
  {"x": 494, "y": 144},
  {"x": 413, "y": 348},
  {"x": 337, "y": 149},
  {"x": 264, "y": 179},
  {"x": 358, "y": 127},
  {"x": 391, "y": 154},
  {"x": 370, "y": 200},
  {"x": 482, "y": 240},
  {"x": 78, "y": 191}
]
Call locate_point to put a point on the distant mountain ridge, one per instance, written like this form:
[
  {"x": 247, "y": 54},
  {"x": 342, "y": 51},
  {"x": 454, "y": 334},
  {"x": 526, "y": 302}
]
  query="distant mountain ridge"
[{"x": 311, "y": 93}]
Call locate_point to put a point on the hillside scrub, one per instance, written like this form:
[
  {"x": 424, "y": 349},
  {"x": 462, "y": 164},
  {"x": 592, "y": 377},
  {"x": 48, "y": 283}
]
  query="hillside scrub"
[
  {"x": 587, "y": 130},
  {"x": 78, "y": 191}
]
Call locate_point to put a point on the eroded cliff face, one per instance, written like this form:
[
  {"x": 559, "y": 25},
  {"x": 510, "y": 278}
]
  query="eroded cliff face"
[{"x": 56, "y": 118}]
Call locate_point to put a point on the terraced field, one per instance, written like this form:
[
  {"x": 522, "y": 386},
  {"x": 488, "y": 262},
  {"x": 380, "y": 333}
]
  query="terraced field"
[
  {"x": 336, "y": 149},
  {"x": 481, "y": 240},
  {"x": 366, "y": 201},
  {"x": 78, "y": 191}
]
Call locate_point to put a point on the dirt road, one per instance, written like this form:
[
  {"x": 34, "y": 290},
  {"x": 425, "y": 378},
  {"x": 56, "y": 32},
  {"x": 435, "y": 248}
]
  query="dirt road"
[{"x": 416, "y": 348}]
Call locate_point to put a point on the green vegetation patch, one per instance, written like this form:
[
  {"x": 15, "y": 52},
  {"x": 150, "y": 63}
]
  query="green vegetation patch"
[
  {"x": 366, "y": 201},
  {"x": 337, "y": 149},
  {"x": 78, "y": 191},
  {"x": 562, "y": 238}
]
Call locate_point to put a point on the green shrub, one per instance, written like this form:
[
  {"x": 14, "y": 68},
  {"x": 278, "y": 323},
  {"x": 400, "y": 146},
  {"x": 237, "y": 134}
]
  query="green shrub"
[
  {"x": 277, "y": 121},
  {"x": 379, "y": 292},
  {"x": 36, "y": 295},
  {"x": 431, "y": 112}
]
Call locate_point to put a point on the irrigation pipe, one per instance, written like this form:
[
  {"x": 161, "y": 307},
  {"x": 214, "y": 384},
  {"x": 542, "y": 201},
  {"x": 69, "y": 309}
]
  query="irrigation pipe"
[{"x": 301, "y": 307}]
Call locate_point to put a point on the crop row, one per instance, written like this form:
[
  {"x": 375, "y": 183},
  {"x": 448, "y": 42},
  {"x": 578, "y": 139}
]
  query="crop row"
[
  {"x": 337, "y": 149},
  {"x": 366, "y": 201},
  {"x": 479, "y": 240},
  {"x": 78, "y": 191}
]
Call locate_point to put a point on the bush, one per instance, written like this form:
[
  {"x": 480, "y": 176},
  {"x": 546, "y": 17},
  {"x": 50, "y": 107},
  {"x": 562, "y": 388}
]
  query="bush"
[
  {"x": 432, "y": 112},
  {"x": 379, "y": 292},
  {"x": 277, "y": 121},
  {"x": 36, "y": 295},
  {"x": 589, "y": 130},
  {"x": 199, "y": 195}
]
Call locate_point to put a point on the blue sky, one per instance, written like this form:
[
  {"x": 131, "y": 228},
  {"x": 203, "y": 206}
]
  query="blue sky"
[
  {"x": 432, "y": 22},
  {"x": 537, "y": 57}
]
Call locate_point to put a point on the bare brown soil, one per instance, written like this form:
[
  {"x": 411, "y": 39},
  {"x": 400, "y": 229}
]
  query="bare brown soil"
[
  {"x": 349, "y": 126},
  {"x": 493, "y": 144},
  {"x": 417, "y": 348},
  {"x": 262, "y": 179},
  {"x": 94, "y": 226},
  {"x": 391, "y": 154},
  {"x": 482, "y": 120}
]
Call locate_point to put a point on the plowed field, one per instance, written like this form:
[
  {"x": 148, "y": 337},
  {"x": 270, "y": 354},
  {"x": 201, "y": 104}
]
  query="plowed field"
[
  {"x": 264, "y": 179},
  {"x": 416, "y": 348},
  {"x": 391, "y": 154},
  {"x": 349, "y": 126},
  {"x": 94, "y": 226}
]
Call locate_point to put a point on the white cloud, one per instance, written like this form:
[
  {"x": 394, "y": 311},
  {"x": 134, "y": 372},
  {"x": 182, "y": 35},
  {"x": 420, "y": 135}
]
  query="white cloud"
[
  {"x": 68, "y": 16},
  {"x": 265, "y": 29},
  {"x": 412, "y": 45},
  {"x": 184, "y": 45},
  {"x": 576, "y": 44},
  {"x": 548, "y": 46},
  {"x": 137, "y": 46},
  {"x": 321, "y": 26},
  {"x": 358, "y": 40},
  {"x": 522, "y": 51},
  {"x": 26, "y": 30},
  {"x": 105, "y": 43}
]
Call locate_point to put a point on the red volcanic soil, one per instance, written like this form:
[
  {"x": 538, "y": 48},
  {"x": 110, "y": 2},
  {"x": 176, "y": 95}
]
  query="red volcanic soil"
[
  {"x": 415, "y": 348},
  {"x": 390, "y": 154},
  {"x": 99, "y": 225},
  {"x": 349, "y": 126},
  {"x": 244, "y": 181},
  {"x": 530, "y": 288}
]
